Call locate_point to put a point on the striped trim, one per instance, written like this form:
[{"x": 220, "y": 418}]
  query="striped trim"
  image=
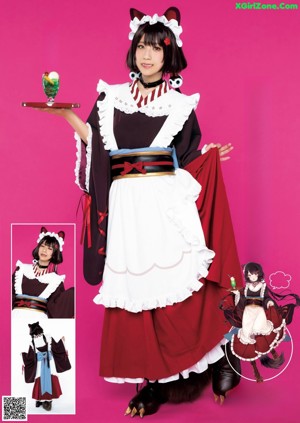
[{"x": 157, "y": 92}]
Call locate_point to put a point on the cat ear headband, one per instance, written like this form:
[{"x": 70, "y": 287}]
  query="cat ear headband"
[
  {"x": 35, "y": 329},
  {"x": 170, "y": 19},
  {"x": 60, "y": 236}
]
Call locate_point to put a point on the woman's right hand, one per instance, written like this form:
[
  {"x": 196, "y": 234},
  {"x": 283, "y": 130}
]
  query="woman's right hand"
[{"x": 224, "y": 150}]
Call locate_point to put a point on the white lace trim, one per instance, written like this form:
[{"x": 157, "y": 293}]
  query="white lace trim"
[
  {"x": 106, "y": 114},
  {"x": 88, "y": 158},
  {"x": 55, "y": 235},
  {"x": 176, "y": 106},
  {"x": 204, "y": 255},
  {"x": 180, "y": 111},
  {"x": 52, "y": 280},
  {"x": 172, "y": 24},
  {"x": 150, "y": 303},
  {"x": 211, "y": 357}
]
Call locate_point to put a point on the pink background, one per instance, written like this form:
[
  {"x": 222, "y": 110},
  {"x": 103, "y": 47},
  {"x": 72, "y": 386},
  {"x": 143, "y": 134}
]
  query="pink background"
[{"x": 245, "y": 64}]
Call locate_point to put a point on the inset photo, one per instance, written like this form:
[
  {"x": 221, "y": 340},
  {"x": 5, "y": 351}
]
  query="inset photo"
[
  {"x": 43, "y": 366},
  {"x": 43, "y": 271}
]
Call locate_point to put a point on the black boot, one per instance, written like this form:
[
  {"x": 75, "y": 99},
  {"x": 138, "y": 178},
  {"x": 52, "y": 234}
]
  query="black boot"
[
  {"x": 225, "y": 375},
  {"x": 47, "y": 405},
  {"x": 146, "y": 401},
  {"x": 38, "y": 403}
]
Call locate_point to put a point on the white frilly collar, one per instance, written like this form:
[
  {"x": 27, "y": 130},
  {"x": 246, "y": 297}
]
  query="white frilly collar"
[
  {"x": 173, "y": 104},
  {"x": 51, "y": 280}
]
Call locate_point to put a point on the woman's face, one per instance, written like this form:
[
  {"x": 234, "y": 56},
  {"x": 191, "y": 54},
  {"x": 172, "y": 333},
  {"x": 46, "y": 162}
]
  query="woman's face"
[
  {"x": 45, "y": 253},
  {"x": 149, "y": 60},
  {"x": 252, "y": 277}
]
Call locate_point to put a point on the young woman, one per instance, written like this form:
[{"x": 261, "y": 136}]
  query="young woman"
[
  {"x": 44, "y": 359},
  {"x": 163, "y": 272},
  {"x": 37, "y": 288}
]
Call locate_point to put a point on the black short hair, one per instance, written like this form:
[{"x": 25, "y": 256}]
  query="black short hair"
[
  {"x": 254, "y": 268},
  {"x": 174, "y": 60},
  {"x": 52, "y": 242}
]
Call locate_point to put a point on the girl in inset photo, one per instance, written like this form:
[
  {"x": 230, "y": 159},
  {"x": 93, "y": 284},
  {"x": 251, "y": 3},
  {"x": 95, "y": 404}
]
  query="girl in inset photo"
[
  {"x": 37, "y": 288},
  {"x": 43, "y": 360}
]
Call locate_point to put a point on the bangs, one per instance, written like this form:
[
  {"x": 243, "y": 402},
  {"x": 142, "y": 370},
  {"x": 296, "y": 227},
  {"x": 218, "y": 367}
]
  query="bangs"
[
  {"x": 50, "y": 241},
  {"x": 154, "y": 35},
  {"x": 254, "y": 268}
]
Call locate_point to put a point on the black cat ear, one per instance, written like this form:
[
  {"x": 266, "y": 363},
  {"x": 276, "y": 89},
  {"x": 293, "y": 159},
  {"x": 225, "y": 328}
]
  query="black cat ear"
[
  {"x": 134, "y": 13},
  {"x": 61, "y": 234},
  {"x": 172, "y": 13}
]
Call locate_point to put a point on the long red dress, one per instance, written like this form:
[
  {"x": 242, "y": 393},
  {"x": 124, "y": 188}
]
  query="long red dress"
[{"x": 162, "y": 342}]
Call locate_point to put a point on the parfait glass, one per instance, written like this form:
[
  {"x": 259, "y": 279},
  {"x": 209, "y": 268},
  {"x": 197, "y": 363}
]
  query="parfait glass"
[{"x": 50, "y": 86}]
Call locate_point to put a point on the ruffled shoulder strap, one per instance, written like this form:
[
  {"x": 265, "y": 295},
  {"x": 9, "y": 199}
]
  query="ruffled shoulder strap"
[
  {"x": 106, "y": 112},
  {"x": 181, "y": 106},
  {"x": 22, "y": 269}
]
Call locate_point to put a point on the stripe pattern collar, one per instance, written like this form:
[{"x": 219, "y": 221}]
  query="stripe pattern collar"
[{"x": 157, "y": 92}]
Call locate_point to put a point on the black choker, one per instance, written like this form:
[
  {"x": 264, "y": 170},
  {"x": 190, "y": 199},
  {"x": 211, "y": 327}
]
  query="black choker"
[
  {"x": 150, "y": 84},
  {"x": 42, "y": 267}
]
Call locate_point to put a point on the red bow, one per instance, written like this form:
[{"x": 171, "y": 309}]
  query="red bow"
[
  {"x": 24, "y": 303},
  {"x": 101, "y": 216},
  {"x": 101, "y": 251},
  {"x": 128, "y": 167}
]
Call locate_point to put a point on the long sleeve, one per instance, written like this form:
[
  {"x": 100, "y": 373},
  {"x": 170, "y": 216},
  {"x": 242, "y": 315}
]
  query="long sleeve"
[
  {"x": 187, "y": 141},
  {"x": 93, "y": 175},
  {"x": 30, "y": 364},
  {"x": 60, "y": 356},
  {"x": 61, "y": 303}
]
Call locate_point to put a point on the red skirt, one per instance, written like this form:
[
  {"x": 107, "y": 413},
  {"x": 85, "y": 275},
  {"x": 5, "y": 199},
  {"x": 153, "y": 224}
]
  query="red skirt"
[
  {"x": 264, "y": 343},
  {"x": 159, "y": 343},
  {"x": 56, "y": 390}
]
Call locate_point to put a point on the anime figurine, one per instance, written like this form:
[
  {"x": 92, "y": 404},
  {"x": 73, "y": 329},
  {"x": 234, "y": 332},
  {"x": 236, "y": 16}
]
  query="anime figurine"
[
  {"x": 259, "y": 320},
  {"x": 44, "y": 359},
  {"x": 159, "y": 247},
  {"x": 37, "y": 288}
]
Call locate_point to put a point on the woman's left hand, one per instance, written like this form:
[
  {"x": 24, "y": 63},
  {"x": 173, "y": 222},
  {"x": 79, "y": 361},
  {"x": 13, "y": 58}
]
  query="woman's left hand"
[{"x": 224, "y": 150}]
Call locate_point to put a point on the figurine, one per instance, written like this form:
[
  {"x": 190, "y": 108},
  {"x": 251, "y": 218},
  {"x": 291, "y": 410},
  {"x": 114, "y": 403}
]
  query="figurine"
[{"x": 259, "y": 322}]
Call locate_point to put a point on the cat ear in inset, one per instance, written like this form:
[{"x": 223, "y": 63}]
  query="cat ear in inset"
[{"x": 61, "y": 234}]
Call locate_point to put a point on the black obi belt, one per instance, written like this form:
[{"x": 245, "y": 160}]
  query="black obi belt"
[
  {"x": 132, "y": 165},
  {"x": 258, "y": 301},
  {"x": 33, "y": 303}
]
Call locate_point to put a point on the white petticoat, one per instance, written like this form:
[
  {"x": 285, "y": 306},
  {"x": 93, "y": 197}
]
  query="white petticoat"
[
  {"x": 156, "y": 250},
  {"x": 209, "y": 358}
]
